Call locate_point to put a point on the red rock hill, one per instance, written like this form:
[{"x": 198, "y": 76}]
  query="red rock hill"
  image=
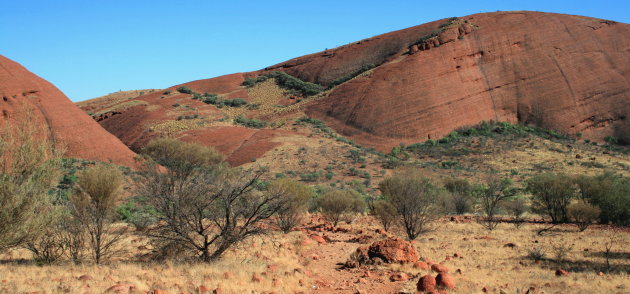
[
  {"x": 84, "y": 138},
  {"x": 562, "y": 72}
]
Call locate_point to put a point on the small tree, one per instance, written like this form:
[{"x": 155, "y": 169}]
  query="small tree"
[
  {"x": 94, "y": 206},
  {"x": 553, "y": 194},
  {"x": 492, "y": 194},
  {"x": 415, "y": 198},
  {"x": 460, "y": 194},
  {"x": 583, "y": 214},
  {"x": 30, "y": 165},
  {"x": 296, "y": 196},
  {"x": 385, "y": 213},
  {"x": 337, "y": 205},
  {"x": 202, "y": 205}
]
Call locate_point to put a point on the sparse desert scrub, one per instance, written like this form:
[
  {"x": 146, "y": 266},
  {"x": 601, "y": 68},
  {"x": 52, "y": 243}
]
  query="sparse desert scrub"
[{"x": 257, "y": 257}]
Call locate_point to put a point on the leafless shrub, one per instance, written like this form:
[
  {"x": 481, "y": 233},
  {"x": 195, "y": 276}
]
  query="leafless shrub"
[{"x": 561, "y": 248}]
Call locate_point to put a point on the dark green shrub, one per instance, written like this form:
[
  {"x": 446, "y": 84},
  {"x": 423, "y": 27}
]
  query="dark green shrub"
[
  {"x": 236, "y": 102},
  {"x": 351, "y": 75},
  {"x": 184, "y": 90},
  {"x": 611, "y": 193},
  {"x": 251, "y": 123}
]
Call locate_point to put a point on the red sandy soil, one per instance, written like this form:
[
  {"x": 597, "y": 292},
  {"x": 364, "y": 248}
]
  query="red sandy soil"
[{"x": 83, "y": 137}]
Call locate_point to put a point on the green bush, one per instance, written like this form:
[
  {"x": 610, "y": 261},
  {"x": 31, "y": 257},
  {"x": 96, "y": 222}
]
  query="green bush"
[
  {"x": 184, "y": 90},
  {"x": 251, "y": 123},
  {"x": 287, "y": 81},
  {"x": 552, "y": 195},
  {"x": 351, "y": 75},
  {"x": 236, "y": 102},
  {"x": 611, "y": 193},
  {"x": 340, "y": 205}
]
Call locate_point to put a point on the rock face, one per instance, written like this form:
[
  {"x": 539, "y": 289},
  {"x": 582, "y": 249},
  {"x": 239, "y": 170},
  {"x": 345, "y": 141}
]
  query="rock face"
[
  {"x": 562, "y": 72},
  {"x": 83, "y": 137}
]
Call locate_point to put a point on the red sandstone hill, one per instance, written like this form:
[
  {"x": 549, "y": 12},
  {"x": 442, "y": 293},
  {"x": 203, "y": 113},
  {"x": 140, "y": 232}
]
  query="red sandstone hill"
[
  {"x": 82, "y": 136},
  {"x": 562, "y": 72}
]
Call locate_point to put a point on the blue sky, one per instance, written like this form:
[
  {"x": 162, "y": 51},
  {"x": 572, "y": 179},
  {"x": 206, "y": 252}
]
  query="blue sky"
[{"x": 91, "y": 48}]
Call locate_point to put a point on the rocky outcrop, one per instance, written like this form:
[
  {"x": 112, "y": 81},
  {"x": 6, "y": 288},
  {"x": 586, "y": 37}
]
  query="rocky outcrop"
[
  {"x": 562, "y": 72},
  {"x": 83, "y": 137}
]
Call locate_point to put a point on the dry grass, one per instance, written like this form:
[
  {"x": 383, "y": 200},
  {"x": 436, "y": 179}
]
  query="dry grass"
[
  {"x": 487, "y": 262},
  {"x": 233, "y": 273}
]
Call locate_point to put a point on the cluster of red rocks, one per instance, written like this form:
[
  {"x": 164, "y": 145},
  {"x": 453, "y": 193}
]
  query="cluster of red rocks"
[{"x": 396, "y": 250}]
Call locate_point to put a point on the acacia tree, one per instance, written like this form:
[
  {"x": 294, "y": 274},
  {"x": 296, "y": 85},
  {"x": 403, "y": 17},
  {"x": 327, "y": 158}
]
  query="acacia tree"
[
  {"x": 93, "y": 205},
  {"x": 492, "y": 193},
  {"x": 29, "y": 168},
  {"x": 415, "y": 198},
  {"x": 203, "y": 205}
]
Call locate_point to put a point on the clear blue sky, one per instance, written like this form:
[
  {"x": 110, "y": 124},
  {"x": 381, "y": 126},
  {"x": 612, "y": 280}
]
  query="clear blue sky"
[{"x": 91, "y": 48}]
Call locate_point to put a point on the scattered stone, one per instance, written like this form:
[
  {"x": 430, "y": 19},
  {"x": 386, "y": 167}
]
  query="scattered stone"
[
  {"x": 399, "y": 277},
  {"x": 510, "y": 245},
  {"x": 319, "y": 239},
  {"x": 421, "y": 265},
  {"x": 426, "y": 283},
  {"x": 121, "y": 288},
  {"x": 85, "y": 278},
  {"x": 561, "y": 273},
  {"x": 439, "y": 268},
  {"x": 445, "y": 280},
  {"x": 256, "y": 278}
]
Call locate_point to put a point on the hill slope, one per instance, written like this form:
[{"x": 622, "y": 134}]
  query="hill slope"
[
  {"x": 83, "y": 137},
  {"x": 561, "y": 72}
]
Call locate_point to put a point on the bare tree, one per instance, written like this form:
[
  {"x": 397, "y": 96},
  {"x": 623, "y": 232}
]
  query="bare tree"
[
  {"x": 29, "y": 168},
  {"x": 495, "y": 191},
  {"x": 203, "y": 206},
  {"x": 415, "y": 198},
  {"x": 94, "y": 205}
]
